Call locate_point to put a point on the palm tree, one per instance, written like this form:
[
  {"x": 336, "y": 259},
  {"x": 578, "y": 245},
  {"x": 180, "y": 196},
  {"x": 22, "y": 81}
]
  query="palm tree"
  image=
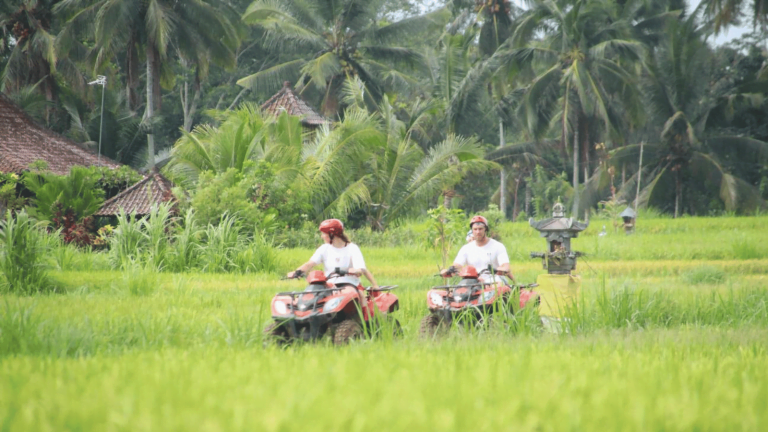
[
  {"x": 334, "y": 40},
  {"x": 726, "y": 13},
  {"x": 28, "y": 45},
  {"x": 685, "y": 148},
  {"x": 369, "y": 160},
  {"x": 199, "y": 31},
  {"x": 580, "y": 66},
  {"x": 244, "y": 135}
]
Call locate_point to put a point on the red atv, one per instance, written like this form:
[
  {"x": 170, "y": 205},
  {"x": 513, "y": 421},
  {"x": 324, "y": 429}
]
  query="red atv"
[
  {"x": 471, "y": 298},
  {"x": 326, "y": 308}
]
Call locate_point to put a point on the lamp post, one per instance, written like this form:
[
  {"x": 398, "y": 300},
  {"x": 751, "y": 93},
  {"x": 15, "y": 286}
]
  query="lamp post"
[{"x": 102, "y": 81}]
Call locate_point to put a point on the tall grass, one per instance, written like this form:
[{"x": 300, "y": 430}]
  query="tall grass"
[
  {"x": 22, "y": 253},
  {"x": 127, "y": 241},
  {"x": 182, "y": 245},
  {"x": 184, "y": 251},
  {"x": 156, "y": 229},
  {"x": 222, "y": 242}
]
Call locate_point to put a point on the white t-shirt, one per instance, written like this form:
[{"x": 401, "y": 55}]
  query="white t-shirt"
[
  {"x": 493, "y": 253},
  {"x": 344, "y": 258}
]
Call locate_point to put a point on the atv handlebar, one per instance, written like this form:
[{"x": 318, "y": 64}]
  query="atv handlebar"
[
  {"x": 335, "y": 273},
  {"x": 382, "y": 288},
  {"x": 296, "y": 274}
]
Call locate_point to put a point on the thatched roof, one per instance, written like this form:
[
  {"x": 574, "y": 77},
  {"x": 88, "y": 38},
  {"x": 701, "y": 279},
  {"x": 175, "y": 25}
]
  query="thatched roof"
[
  {"x": 288, "y": 101},
  {"x": 23, "y": 141},
  {"x": 139, "y": 198}
]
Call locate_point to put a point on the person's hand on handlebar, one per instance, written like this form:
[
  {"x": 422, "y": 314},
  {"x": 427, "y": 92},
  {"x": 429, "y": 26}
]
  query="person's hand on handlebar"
[
  {"x": 450, "y": 271},
  {"x": 295, "y": 274}
]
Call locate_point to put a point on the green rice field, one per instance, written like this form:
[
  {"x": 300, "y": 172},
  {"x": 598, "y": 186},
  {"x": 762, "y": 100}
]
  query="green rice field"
[{"x": 670, "y": 334}]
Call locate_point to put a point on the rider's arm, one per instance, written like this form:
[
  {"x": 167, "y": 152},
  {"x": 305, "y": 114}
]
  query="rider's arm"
[
  {"x": 304, "y": 268},
  {"x": 459, "y": 262},
  {"x": 503, "y": 258},
  {"x": 368, "y": 275}
]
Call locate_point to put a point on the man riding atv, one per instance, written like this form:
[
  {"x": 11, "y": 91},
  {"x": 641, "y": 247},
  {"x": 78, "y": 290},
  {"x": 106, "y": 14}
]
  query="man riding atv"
[
  {"x": 480, "y": 292},
  {"x": 481, "y": 252}
]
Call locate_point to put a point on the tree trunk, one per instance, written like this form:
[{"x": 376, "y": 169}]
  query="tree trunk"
[
  {"x": 515, "y": 205},
  {"x": 585, "y": 148},
  {"x": 623, "y": 175},
  {"x": 132, "y": 74},
  {"x": 150, "y": 107},
  {"x": 447, "y": 195},
  {"x": 156, "y": 91},
  {"x": 528, "y": 198},
  {"x": 575, "y": 210},
  {"x": 189, "y": 107},
  {"x": 503, "y": 183},
  {"x": 678, "y": 192}
]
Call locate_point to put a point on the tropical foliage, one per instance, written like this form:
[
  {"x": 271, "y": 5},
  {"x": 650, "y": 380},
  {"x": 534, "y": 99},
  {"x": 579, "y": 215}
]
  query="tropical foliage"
[{"x": 416, "y": 96}]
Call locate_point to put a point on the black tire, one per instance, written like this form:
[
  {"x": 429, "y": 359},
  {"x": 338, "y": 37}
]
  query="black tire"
[
  {"x": 276, "y": 333},
  {"x": 432, "y": 326},
  {"x": 346, "y": 331},
  {"x": 397, "y": 329}
]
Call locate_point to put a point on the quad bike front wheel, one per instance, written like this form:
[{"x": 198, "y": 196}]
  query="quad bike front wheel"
[
  {"x": 346, "y": 331},
  {"x": 397, "y": 329},
  {"x": 432, "y": 325},
  {"x": 276, "y": 333}
]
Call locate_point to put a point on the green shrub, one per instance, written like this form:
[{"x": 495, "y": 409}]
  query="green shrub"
[
  {"x": 704, "y": 274},
  {"x": 221, "y": 194},
  {"x": 258, "y": 256},
  {"x": 9, "y": 192},
  {"x": 22, "y": 254},
  {"x": 76, "y": 192},
  {"x": 447, "y": 228},
  {"x": 747, "y": 249},
  {"x": 138, "y": 279}
]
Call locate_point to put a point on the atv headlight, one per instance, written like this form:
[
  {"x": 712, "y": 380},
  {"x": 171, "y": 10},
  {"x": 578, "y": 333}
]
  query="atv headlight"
[
  {"x": 281, "y": 308},
  {"x": 488, "y": 295},
  {"x": 436, "y": 299},
  {"x": 332, "y": 304}
]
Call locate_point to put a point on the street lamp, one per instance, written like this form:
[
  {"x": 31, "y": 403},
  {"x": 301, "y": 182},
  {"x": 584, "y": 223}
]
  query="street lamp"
[{"x": 102, "y": 81}]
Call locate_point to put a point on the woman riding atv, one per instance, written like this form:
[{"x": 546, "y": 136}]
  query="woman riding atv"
[{"x": 337, "y": 252}]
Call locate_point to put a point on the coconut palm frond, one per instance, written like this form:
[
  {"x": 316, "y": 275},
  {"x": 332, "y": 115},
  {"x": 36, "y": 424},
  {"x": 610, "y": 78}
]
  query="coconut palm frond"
[
  {"x": 395, "y": 55},
  {"x": 321, "y": 69},
  {"x": 429, "y": 22},
  {"x": 272, "y": 78},
  {"x": 749, "y": 148},
  {"x": 349, "y": 199}
]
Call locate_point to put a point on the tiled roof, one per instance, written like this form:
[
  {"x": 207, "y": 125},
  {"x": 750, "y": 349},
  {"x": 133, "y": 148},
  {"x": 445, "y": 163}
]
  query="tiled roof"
[
  {"x": 139, "y": 198},
  {"x": 287, "y": 100},
  {"x": 23, "y": 141}
]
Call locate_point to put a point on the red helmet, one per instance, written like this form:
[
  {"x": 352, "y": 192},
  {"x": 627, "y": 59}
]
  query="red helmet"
[
  {"x": 332, "y": 227},
  {"x": 479, "y": 219}
]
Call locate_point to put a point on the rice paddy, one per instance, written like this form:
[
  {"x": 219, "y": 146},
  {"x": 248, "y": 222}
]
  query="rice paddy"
[{"x": 671, "y": 333}]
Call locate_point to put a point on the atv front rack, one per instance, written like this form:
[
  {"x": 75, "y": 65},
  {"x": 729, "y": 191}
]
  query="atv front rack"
[
  {"x": 464, "y": 286},
  {"x": 298, "y": 293}
]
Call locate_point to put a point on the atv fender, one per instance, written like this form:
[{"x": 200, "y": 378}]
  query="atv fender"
[{"x": 387, "y": 302}]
